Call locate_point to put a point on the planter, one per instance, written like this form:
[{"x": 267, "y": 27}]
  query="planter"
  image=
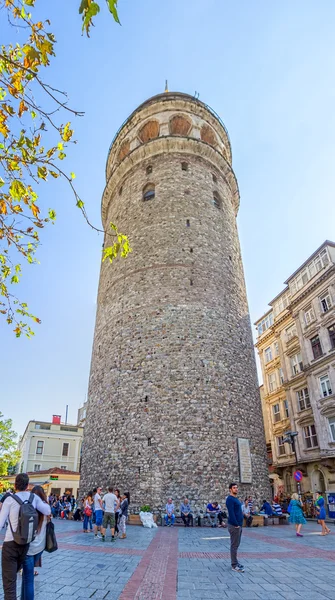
[{"x": 135, "y": 519}]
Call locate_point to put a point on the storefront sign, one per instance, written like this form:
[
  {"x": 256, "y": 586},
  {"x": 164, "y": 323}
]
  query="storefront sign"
[
  {"x": 244, "y": 458},
  {"x": 53, "y": 477}
]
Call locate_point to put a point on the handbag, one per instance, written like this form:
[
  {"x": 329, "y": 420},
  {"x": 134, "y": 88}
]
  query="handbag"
[
  {"x": 50, "y": 542},
  {"x": 88, "y": 511}
]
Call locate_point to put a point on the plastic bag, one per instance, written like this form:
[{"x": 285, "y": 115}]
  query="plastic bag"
[
  {"x": 147, "y": 519},
  {"x": 50, "y": 542}
]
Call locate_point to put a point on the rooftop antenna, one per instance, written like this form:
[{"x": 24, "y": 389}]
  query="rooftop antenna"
[
  {"x": 166, "y": 86},
  {"x": 66, "y": 412}
]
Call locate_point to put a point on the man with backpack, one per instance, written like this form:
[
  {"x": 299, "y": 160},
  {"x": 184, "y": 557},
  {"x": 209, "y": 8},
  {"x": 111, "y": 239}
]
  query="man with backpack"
[{"x": 20, "y": 511}]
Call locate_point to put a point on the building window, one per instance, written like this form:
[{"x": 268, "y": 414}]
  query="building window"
[
  {"x": 272, "y": 382},
  {"x": 216, "y": 200},
  {"x": 326, "y": 302},
  {"x": 39, "y": 447},
  {"x": 281, "y": 303},
  {"x": 215, "y": 179},
  {"x": 265, "y": 323},
  {"x": 149, "y": 192},
  {"x": 303, "y": 399},
  {"x": 291, "y": 332},
  {"x": 296, "y": 364},
  {"x": 276, "y": 345},
  {"x": 309, "y": 315},
  {"x": 326, "y": 389},
  {"x": 276, "y": 413},
  {"x": 281, "y": 445},
  {"x": 184, "y": 166},
  {"x": 331, "y": 422},
  {"x": 65, "y": 451},
  {"x": 281, "y": 375},
  {"x": 318, "y": 263},
  {"x": 63, "y": 467},
  {"x": 268, "y": 354},
  {"x": 316, "y": 346},
  {"x": 37, "y": 467},
  {"x": 311, "y": 440},
  {"x": 148, "y": 170},
  {"x": 286, "y": 409},
  {"x": 331, "y": 331}
]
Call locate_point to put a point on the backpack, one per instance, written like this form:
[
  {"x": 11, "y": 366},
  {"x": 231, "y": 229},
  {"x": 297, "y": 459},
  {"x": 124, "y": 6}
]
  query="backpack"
[{"x": 27, "y": 521}]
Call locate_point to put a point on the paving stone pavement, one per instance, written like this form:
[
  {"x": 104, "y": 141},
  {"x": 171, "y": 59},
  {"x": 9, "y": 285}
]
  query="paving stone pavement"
[{"x": 191, "y": 563}]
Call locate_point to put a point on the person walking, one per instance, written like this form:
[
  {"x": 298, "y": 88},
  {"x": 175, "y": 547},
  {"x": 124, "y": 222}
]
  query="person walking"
[
  {"x": 109, "y": 501},
  {"x": 296, "y": 514},
  {"x": 13, "y": 554},
  {"x": 235, "y": 522},
  {"x": 35, "y": 550},
  {"x": 88, "y": 512},
  {"x": 320, "y": 507},
  {"x": 124, "y": 514}
]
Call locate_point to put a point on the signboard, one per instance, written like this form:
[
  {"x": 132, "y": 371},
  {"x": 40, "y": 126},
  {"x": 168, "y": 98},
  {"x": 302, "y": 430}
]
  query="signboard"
[
  {"x": 297, "y": 475},
  {"x": 53, "y": 477},
  {"x": 244, "y": 458}
]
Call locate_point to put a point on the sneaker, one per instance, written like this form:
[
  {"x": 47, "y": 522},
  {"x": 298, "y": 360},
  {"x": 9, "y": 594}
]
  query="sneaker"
[
  {"x": 103, "y": 538},
  {"x": 113, "y": 539},
  {"x": 241, "y": 566},
  {"x": 238, "y": 568},
  {"x": 97, "y": 535}
]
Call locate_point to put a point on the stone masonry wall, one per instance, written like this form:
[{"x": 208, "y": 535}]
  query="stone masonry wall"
[{"x": 173, "y": 379}]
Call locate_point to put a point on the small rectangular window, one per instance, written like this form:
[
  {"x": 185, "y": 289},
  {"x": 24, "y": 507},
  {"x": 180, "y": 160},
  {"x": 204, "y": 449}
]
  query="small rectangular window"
[
  {"x": 281, "y": 445},
  {"x": 149, "y": 441},
  {"x": 309, "y": 316},
  {"x": 326, "y": 302},
  {"x": 303, "y": 399},
  {"x": 37, "y": 467},
  {"x": 276, "y": 413},
  {"x": 311, "y": 440},
  {"x": 272, "y": 382},
  {"x": 63, "y": 467},
  {"x": 331, "y": 422},
  {"x": 184, "y": 166},
  {"x": 65, "y": 451},
  {"x": 325, "y": 385},
  {"x": 215, "y": 179},
  {"x": 39, "y": 447},
  {"x": 286, "y": 409},
  {"x": 316, "y": 346},
  {"x": 331, "y": 331},
  {"x": 296, "y": 364},
  {"x": 268, "y": 354}
]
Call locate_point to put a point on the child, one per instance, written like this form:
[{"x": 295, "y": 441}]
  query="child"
[{"x": 124, "y": 514}]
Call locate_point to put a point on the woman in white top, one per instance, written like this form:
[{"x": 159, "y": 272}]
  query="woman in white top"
[
  {"x": 88, "y": 509},
  {"x": 35, "y": 550}
]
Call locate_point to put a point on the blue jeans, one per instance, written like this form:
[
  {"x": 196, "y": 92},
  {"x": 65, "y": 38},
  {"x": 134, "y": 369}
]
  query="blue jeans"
[
  {"x": 27, "y": 587},
  {"x": 171, "y": 517},
  {"x": 87, "y": 520}
]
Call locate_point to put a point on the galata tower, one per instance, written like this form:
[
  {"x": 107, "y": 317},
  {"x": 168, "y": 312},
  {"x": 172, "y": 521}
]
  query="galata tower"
[{"x": 173, "y": 401}]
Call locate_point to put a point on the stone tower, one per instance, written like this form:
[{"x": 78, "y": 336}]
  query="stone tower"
[{"x": 173, "y": 402}]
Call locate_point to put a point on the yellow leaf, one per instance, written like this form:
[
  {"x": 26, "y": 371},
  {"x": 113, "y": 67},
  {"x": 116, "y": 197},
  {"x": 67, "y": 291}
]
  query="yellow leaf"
[
  {"x": 35, "y": 210},
  {"x": 3, "y": 207},
  {"x": 22, "y": 108}
]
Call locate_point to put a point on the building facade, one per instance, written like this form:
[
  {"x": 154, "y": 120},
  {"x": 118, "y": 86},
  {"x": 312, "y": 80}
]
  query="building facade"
[
  {"x": 173, "y": 400},
  {"x": 296, "y": 346},
  {"x": 54, "y": 481},
  {"x": 46, "y": 445}
]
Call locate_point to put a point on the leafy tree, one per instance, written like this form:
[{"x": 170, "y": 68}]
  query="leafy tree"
[
  {"x": 9, "y": 455},
  {"x": 33, "y": 113}
]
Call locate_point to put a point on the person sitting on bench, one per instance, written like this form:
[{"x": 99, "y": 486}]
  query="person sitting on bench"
[
  {"x": 214, "y": 511},
  {"x": 267, "y": 508},
  {"x": 247, "y": 512},
  {"x": 186, "y": 513},
  {"x": 169, "y": 513},
  {"x": 276, "y": 507}
]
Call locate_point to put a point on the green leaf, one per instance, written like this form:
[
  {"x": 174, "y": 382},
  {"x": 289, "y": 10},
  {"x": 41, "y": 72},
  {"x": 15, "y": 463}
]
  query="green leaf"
[
  {"x": 80, "y": 204},
  {"x": 1, "y": 182},
  {"x": 15, "y": 279},
  {"x": 42, "y": 172},
  {"x": 52, "y": 214},
  {"x": 33, "y": 114},
  {"x": 73, "y": 176},
  {"x": 17, "y": 189},
  {"x": 112, "y": 5}
]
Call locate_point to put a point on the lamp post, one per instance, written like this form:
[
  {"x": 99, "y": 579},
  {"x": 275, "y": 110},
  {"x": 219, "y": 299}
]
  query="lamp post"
[{"x": 290, "y": 439}]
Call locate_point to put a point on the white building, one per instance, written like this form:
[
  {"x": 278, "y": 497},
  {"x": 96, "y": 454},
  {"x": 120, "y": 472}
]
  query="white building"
[{"x": 46, "y": 445}]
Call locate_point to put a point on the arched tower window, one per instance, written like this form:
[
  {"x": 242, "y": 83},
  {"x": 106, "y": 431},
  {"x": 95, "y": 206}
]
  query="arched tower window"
[
  {"x": 207, "y": 135},
  {"x": 217, "y": 202},
  {"x": 124, "y": 150},
  {"x": 179, "y": 125},
  {"x": 149, "y": 131},
  {"x": 148, "y": 191}
]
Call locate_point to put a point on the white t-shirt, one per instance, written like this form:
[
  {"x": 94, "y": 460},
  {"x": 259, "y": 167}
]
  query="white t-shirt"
[
  {"x": 10, "y": 510},
  {"x": 97, "y": 506},
  {"x": 110, "y": 499}
]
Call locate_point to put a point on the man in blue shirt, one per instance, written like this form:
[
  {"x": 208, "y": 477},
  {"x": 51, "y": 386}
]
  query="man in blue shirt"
[
  {"x": 186, "y": 513},
  {"x": 235, "y": 522}
]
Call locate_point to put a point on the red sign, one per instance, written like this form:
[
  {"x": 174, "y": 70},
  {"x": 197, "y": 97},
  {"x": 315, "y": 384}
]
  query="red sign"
[{"x": 298, "y": 475}]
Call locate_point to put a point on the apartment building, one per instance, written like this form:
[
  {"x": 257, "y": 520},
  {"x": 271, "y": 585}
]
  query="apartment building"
[
  {"x": 46, "y": 445},
  {"x": 296, "y": 346}
]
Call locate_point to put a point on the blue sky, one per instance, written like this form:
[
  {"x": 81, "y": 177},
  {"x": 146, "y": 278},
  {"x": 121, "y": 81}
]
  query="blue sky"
[{"x": 267, "y": 68}]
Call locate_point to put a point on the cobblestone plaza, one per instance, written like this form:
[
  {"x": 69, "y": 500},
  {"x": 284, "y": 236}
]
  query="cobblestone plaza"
[{"x": 177, "y": 564}]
